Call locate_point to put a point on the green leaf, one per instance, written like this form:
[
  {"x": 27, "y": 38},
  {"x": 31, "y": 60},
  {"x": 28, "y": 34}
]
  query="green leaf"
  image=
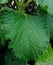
[
  {"x": 2, "y": 36},
  {"x": 29, "y": 37},
  {"x": 50, "y": 24},
  {"x": 46, "y": 4},
  {"x": 3, "y": 1},
  {"x": 10, "y": 59},
  {"x": 46, "y": 58}
]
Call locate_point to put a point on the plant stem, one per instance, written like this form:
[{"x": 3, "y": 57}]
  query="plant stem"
[{"x": 28, "y": 2}]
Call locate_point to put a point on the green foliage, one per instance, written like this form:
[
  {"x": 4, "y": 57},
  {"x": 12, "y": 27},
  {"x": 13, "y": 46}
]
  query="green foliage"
[
  {"x": 46, "y": 58},
  {"x": 3, "y": 1},
  {"x": 50, "y": 24},
  {"x": 2, "y": 37},
  {"x": 47, "y": 4},
  {"x": 25, "y": 37},
  {"x": 10, "y": 59},
  {"x": 27, "y": 33}
]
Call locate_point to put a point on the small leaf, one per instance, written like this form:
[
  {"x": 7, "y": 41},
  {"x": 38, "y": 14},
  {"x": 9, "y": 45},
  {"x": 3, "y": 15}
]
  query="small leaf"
[
  {"x": 46, "y": 58},
  {"x": 3, "y": 1},
  {"x": 46, "y": 3}
]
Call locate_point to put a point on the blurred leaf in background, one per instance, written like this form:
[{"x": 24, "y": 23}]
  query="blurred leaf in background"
[
  {"x": 46, "y": 58},
  {"x": 3, "y": 1}
]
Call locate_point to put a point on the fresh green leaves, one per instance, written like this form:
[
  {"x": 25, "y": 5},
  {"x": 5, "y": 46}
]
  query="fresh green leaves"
[
  {"x": 29, "y": 37},
  {"x": 46, "y": 58},
  {"x": 10, "y": 59},
  {"x": 26, "y": 37},
  {"x": 3, "y": 1},
  {"x": 47, "y": 4},
  {"x": 50, "y": 25},
  {"x": 2, "y": 37}
]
